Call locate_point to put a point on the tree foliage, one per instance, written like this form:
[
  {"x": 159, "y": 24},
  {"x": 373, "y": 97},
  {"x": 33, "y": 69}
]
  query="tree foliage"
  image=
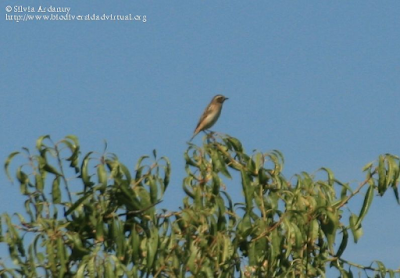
[{"x": 90, "y": 216}]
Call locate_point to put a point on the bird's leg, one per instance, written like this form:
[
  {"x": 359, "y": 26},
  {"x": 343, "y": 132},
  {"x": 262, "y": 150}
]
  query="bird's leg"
[
  {"x": 207, "y": 134},
  {"x": 210, "y": 135}
]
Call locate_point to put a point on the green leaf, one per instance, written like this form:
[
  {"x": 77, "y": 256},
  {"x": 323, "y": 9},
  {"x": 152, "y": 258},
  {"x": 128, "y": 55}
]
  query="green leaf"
[
  {"x": 50, "y": 169},
  {"x": 79, "y": 202},
  {"x": 135, "y": 244},
  {"x": 152, "y": 244},
  {"x": 381, "y": 267},
  {"x": 74, "y": 148},
  {"x": 74, "y": 139},
  {"x": 259, "y": 161},
  {"x": 356, "y": 230},
  {"x": 7, "y": 164},
  {"x": 61, "y": 257},
  {"x": 108, "y": 269},
  {"x": 191, "y": 260},
  {"x": 382, "y": 186},
  {"x": 247, "y": 189},
  {"x": 343, "y": 244},
  {"x": 216, "y": 183},
  {"x": 126, "y": 172},
  {"x": 55, "y": 191},
  {"x": 297, "y": 235},
  {"x": 263, "y": 177},
  {"x": 329, "y": 226},
  {"x": 81, "y": 270},
  {"x": 313, "y": 231},
  {"x": 185, "y": 185},
  {"x": 331, "y": 177},
  {"x": 251, "y": 166},
  {"x": 39, "y": 141},
  {"x": 39, "y": 184},
  {"x": 366, "y": 204},
  {"x": 85, "y": 171},
  {"x": 219, "y": 163},
  {"x": 368, "y": 166},
  {"x": 167, "y": 169},
  {"x": 343, "y": 192},
  {"x": 396, "y": 193},
  {"x": 153, "y": 189},
  {"x": 140, "y": 160},
  {"x": 23, "y": 180},
  {"x": 279, "y": 155},
  {"x": 99, "y": 224},
  {"x": 189, "y": 160},
  {"x": 394, "y": 170},
  {"x": 252, "y": 254},
  {"x": 236, "y": 144},
  {"x": 102, "y": 176}
]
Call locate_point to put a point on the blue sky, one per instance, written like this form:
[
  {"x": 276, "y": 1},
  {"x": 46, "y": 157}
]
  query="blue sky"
[{"x": 317, "y": 80}]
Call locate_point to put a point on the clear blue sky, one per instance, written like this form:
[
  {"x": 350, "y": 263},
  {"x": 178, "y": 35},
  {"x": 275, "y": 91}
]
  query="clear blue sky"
[{"x": 317, "y": 80}]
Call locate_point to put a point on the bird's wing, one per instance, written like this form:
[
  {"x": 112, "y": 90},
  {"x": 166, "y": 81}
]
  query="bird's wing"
[{"x": 206, "y": 112}]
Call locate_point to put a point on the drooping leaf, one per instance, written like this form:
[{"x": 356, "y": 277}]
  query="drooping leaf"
[
  {"x": 331, "y": 177},
  {"x": 366, "y": 204},
  {"x": 247, "y": 189},
  {"x": 85, "y": 171},
  {"x": 7, "y": 164},
  {"x": 396, "y": 194},
  {"x": 102, "y": 176},
  {"x": 167, "y": 171},
  {"x": 79, "y": 202},
  {"x": 355, "y": 229},
  {"x": 368, "y": 166},
  {"x": 39, "y": 141},
  {"x": 55, "y": 191},
  {"x": 50, "y": 169},
  {"x": 382, "y": 185},
  {"x": 382, "y": 268},
  {"x": 329, "y": 226},
  {"x": 236, "y": 144},
  {"x": 343, "y": 244}
]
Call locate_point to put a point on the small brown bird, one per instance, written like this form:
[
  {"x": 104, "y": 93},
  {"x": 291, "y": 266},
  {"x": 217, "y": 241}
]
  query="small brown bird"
[{"x": 210, "y": 115}]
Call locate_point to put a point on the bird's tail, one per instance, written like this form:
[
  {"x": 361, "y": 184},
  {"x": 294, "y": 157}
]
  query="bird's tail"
[{"x": 194, "y": 135}]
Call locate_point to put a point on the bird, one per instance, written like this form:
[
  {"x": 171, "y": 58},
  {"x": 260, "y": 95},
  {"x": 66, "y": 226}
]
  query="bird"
[{"x": 210, "y": 115}]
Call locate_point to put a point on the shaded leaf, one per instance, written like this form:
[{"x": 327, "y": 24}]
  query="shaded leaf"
[
  {"x": 55, "y": 191},
  {"x": 7, "y": 164},
  {"x": 343, "y": 244},
  {"x": 366, "y": 204}
]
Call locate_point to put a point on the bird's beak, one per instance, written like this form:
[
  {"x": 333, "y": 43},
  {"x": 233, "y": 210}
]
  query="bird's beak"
[{"x": 226, "y": 98}]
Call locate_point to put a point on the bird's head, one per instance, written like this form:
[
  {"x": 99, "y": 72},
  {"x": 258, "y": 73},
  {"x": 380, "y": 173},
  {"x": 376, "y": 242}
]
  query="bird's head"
[{"x": 219, "y": 98}]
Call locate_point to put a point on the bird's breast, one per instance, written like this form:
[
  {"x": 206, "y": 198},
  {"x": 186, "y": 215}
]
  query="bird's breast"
[{"x": 212, "y": 118}]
